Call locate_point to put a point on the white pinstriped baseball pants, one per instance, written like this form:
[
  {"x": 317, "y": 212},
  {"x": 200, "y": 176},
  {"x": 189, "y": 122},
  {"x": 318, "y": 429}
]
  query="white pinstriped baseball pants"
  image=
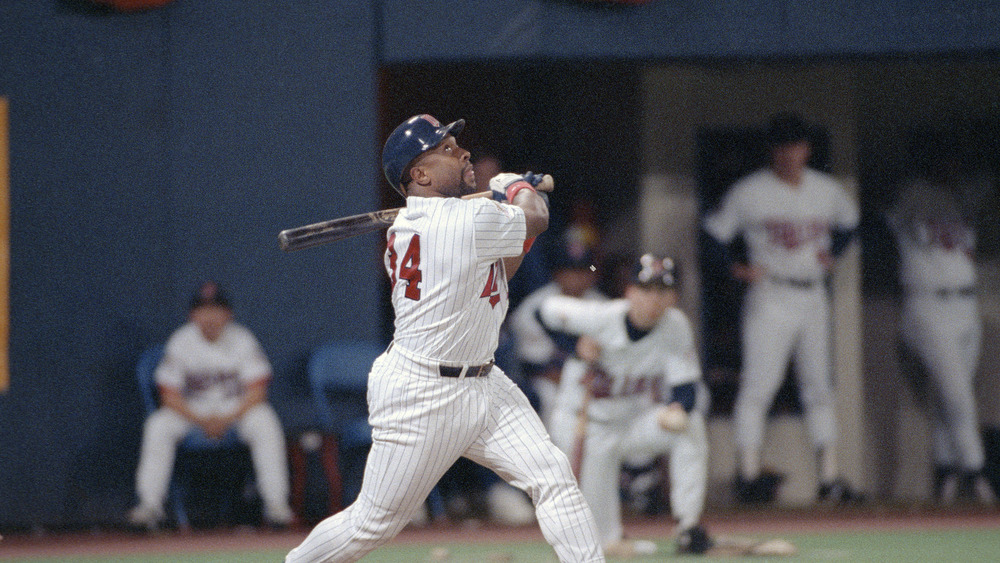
[{"x": 421, "y": 423}]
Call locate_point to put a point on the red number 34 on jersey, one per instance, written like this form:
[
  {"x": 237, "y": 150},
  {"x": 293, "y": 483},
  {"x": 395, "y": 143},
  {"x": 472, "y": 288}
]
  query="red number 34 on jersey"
[{"x": 409, "y": 269}]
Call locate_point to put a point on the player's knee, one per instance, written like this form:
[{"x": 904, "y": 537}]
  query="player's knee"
[
  {"x": 813, "y": 399},
  {"x": 260, "y": 420},
  {"x": 754, "y": 400},
  {"x": 551, "y": 476},
  {"x": 167, "y": 424}
]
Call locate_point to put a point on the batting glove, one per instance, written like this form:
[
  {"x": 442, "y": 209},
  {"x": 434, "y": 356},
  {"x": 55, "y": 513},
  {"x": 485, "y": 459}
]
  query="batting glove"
[
  {"x": 501, "y": 183},
  {"x": 505, "y": 185},
  {"x": 533, "y": 179}
]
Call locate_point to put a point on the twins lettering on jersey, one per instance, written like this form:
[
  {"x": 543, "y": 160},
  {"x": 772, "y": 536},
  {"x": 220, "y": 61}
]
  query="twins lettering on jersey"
[
  {"x": 199, "y": 382},
  {"x": 492, "y": 289},
  {"x": 409, "y": 270},
  {"x": 792, "y": 234},
  {"x": 946, "y": 234},
  {"x": 603, "y": 386}
]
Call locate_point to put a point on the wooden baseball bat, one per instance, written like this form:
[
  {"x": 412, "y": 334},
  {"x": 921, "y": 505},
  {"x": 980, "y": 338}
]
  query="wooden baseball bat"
[
  {"x": 333, "y": 230},
  {"x": 583, "y": 418},
  {"x": 580, "y": 433}
]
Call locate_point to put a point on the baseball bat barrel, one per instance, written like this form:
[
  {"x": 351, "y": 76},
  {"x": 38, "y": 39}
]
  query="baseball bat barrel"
[
  {"x": 333, "y": 230},
  {"x": 323, "y": 232}
]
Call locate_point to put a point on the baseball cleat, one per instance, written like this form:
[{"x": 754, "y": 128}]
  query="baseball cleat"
[
  {"x": 839, "y": 492},
  {"x": 148, "y": 518},
  {"x": 694, "y": 541},
  {"x": 760, "y": 490}
]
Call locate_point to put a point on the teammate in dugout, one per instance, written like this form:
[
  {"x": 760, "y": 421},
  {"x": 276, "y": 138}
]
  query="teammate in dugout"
[
  {"x": 214, "y": 376},
  {"x": 638, "y": 394},
  {"x": 435, "y": 394},
  {"x": 795, "y": 221},
  {"x": 934, "y": 223}
]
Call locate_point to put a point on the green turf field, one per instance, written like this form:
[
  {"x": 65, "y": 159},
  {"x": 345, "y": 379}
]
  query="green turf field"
[{"x": 885, "y": 547}]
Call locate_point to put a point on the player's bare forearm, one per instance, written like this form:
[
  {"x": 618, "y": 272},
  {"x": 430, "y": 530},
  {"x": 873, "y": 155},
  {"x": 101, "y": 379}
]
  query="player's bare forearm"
[
  {"x": 536, "y": 219},
  {"x": 255, "y": 394},
  {"x": 510, "y": 265},
  {"x": 536, "y": 213},
  {"x": 174, "y": 400}
]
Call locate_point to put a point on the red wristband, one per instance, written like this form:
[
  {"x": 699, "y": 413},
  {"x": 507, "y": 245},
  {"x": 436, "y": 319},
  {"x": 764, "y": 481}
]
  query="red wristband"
[
  {"x": 516, "y": 187},
  {"x": 528, "y": 243}
]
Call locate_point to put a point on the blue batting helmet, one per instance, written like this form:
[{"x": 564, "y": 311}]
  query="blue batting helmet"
[{"x": 412, "y": 138}]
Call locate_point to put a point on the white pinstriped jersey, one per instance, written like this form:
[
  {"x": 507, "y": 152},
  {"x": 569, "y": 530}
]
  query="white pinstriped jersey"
[
  {"x": 212, "y": 375},
  {"x": 663, "y": 358},
  {"x": 786, "y": 227},
  {"x": 452, "y": 314}
]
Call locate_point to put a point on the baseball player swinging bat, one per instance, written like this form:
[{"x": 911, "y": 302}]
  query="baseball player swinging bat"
[{"x": 333, "y": 230}]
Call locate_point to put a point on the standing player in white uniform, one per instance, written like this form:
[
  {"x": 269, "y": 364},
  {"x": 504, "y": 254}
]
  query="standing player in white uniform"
[
  {"x": 214, "y": 375},
  {"x": 795, "y": 221},
  {"x": 435, "y": 395},
  {"x": 940, "y": 327},
  {"x": 639, "y": 395}
]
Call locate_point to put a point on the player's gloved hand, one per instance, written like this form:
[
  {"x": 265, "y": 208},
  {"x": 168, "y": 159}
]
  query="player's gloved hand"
[
  {"x": 532, "y": 178},
  {"x": 502, "y": 183},
  {"x": 506, "y": 184}
]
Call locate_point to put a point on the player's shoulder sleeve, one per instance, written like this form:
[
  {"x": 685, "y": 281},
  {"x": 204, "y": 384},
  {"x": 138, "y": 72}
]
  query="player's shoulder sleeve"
[
  {"x": 726, "y": 220},
  {"x": 500, "y": 229},
  {"x": 846, "y": 212},
  {"x": 532, "y": 342},
  {"x": 524, "y": 316},
  {"x": 170, "y": 371},
  {"x": 683, "y": 364},
  {"x": 253, "y": 362}
]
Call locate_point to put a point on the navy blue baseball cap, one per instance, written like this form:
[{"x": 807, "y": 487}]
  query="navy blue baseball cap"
[
  {"x": 572, "y": 251},
  {"x": 209, "y": 294},
  {"x": 412, "y": 138},
  {"x": 654, "y": 271},
  {"x": 785, "y": 128}
]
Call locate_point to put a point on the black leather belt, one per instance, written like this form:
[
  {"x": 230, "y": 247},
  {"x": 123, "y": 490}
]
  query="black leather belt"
[
  {"x": 797, "y": 284},
  {"x": 949, "y": 292},
  {"x": 470, "y": 371}
]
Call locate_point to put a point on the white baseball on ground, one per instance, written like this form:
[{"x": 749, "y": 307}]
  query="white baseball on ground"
[
  {"x": 775, "y": 548},
  {"x": 440, "y": 554}
]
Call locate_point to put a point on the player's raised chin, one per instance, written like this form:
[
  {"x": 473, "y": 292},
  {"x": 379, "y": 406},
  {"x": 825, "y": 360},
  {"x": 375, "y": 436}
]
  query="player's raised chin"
[{"x": 444, "y": 171}]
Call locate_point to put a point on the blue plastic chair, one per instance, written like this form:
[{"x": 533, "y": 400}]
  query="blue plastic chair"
[
  {"x": 338, "y": 377},
  {"x": 338, "y": 380},
  {"x": 195, "y": 441}
]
